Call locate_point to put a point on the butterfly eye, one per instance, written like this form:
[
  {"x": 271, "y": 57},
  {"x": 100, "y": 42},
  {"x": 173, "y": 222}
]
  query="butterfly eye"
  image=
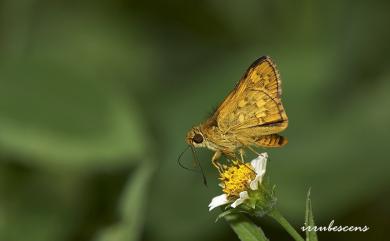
[{"x": 198, "y": 138}]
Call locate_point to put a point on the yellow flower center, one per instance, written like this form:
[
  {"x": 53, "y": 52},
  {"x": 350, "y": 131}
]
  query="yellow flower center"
[{"x": 236, "y": 178}]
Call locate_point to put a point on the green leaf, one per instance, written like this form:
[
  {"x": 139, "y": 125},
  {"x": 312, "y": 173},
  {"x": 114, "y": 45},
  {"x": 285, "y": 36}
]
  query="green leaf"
[
  {"x": 224, "y": 214},
  {"x": 230, "y": 211},
  {"x": 245, "y": 229},
  {"x": 131, "y": 208},
  {"x": 311, "y": 235}
]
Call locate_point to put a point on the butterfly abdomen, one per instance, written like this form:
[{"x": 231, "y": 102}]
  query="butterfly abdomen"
[{"x": 273, "y": 140}]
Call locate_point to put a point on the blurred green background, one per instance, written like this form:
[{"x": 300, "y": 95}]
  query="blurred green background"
[{"x": 96, "y": 98}]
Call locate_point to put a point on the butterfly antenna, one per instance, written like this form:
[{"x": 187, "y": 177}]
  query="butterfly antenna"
[
  {"x": 200, "y": 166},
  {"x": 181, "y": 164}
]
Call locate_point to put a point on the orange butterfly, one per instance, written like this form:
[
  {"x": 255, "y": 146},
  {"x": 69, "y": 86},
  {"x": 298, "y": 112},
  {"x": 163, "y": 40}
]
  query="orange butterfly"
[{"x": 250, "y": 115}]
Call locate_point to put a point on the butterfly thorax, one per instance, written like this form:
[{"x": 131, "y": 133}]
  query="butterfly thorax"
[{"x": 217, "y": 140}]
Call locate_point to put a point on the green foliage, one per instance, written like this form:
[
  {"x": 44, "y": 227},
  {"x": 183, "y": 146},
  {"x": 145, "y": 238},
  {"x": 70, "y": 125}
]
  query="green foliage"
[
  {"x": 311, "y": 235},
  {"x": 245, "y": 229},
  {"x": 132, "y": 206}
]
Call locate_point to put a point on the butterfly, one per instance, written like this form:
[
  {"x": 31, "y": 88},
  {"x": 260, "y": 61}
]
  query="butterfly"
[{"x": 250, "y": 116}]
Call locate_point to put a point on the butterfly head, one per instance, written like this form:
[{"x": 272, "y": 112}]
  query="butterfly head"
[{"x": 196, "y": 138}]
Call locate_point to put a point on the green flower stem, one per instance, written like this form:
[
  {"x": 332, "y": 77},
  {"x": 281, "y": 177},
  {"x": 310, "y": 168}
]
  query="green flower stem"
[{"x": 275, "y": 214}]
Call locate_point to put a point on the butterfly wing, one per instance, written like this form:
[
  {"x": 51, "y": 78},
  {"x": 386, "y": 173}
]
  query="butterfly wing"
[{"x": 254, "y": 106}]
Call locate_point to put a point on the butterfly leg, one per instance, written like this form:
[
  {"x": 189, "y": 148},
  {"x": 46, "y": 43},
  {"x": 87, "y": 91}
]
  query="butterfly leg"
[
  {"x": 214, "y": 161},
  {"x": 241, "y": 151},
  {"x": 253, "y": 150},
  {"x": 249, "y": 147}
]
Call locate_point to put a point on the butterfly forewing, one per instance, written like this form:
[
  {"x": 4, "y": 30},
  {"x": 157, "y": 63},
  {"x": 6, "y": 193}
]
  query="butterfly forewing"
[{"x": 254, "y": 106}]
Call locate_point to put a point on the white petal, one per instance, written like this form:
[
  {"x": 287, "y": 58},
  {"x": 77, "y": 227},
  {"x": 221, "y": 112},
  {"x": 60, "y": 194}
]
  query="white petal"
[
  {"x": 218, "y": 201},
  {"x": 254, "y": 184},
  {"x": 259, "y": 164},
  {"x": 243, "y": 196}
]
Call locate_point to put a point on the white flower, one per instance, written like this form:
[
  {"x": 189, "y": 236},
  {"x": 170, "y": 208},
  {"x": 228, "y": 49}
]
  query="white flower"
[{"x": 240, "y": 178}]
